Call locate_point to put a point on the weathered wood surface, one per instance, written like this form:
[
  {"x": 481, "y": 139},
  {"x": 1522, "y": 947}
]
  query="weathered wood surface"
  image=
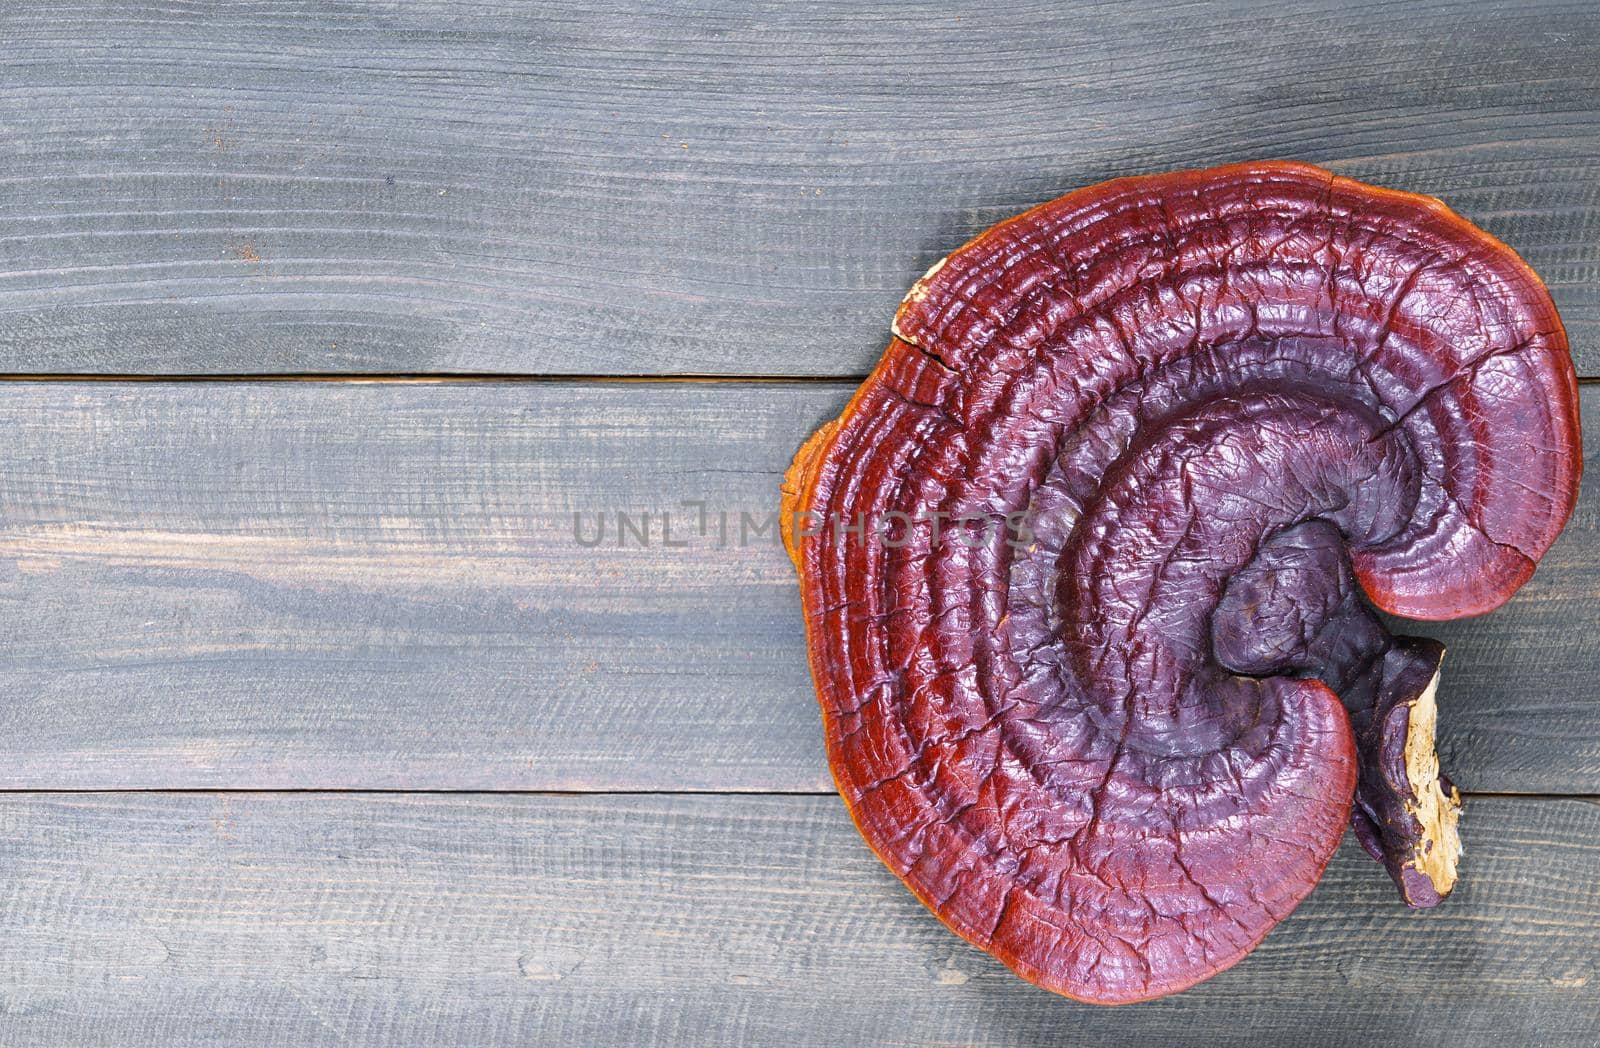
[
  {"x": 311, "y": 919},
  {"x": 291, "y": 585},
  {"x": 709, "y": 187}
]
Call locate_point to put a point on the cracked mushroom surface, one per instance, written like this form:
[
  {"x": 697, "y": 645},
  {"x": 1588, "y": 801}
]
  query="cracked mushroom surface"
[{"x": 1089, "y": 562}]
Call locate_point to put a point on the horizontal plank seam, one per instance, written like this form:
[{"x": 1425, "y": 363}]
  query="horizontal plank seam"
[
  {"x": 29, "y": 791},
  {"x": 439, "y": 377},
  {"x": 35, "y": 791},
  {"x": 463, "y": 377}
]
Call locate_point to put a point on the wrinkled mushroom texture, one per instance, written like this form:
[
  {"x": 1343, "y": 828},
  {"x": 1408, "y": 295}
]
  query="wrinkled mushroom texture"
[{"x": 1222, "y": 414}]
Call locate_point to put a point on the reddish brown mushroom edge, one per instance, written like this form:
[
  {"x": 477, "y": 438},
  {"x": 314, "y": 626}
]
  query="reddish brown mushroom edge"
[{"x": 1089, "y": 562}]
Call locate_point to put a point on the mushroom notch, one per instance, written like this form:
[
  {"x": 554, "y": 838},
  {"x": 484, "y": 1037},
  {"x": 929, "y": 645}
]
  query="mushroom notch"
[{"x": 1091, "y": 560}]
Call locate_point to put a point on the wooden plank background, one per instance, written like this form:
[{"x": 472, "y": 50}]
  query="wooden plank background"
[
  {"x": 715, "y": 186},
  {"x": 316, "y": 919},
  {"x": 321, "y": 726},
  {"x": 382, "y": 585}
]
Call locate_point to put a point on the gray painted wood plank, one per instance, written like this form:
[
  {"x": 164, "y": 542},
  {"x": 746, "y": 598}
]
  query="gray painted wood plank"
[
  {"x": 379, "y": 585},
  {"x": 707, "y": 187},
  {"x": 312, "y": 919}
]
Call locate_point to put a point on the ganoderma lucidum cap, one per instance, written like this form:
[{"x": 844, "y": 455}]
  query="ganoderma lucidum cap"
[{"x": 1087, "y": 561}]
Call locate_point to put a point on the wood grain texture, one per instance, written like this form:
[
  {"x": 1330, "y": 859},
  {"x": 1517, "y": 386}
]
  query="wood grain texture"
[
  {"x": 287, "y": 585},
  {"x": 708, "y": 187},
  {"x": 394, "y": 920}
]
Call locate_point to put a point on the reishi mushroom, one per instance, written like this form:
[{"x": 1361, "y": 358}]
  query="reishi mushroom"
[{"x": 1089, "y": 561}]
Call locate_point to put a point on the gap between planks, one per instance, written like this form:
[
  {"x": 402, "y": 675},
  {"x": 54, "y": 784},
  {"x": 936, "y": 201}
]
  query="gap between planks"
[
  {"x": 442, "y": 378},
  {"x": 470, "y": 378},
  {"x": 45, "y": 791}
]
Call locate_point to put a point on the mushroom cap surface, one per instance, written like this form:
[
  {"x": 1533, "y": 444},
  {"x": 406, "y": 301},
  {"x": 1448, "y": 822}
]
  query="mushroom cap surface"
[{"x": 1086, "y": 562}]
